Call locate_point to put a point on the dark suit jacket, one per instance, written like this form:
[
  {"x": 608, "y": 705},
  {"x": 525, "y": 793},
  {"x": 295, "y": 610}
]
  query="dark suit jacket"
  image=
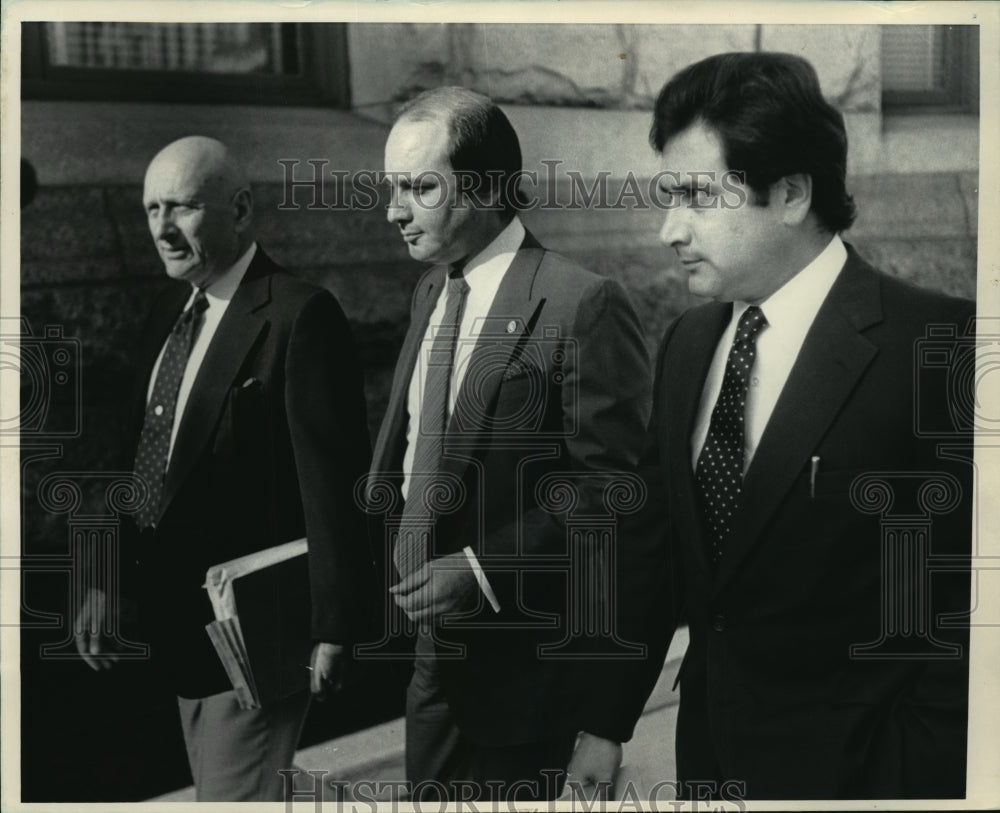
[
  {"x": 270, "y": 446},
  {"x": 770, "y": 692},
  {"x": 557, "y": 391}
]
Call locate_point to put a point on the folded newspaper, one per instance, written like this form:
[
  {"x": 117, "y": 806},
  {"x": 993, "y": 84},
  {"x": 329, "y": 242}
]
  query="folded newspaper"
[{"x": 261, "y": 627}]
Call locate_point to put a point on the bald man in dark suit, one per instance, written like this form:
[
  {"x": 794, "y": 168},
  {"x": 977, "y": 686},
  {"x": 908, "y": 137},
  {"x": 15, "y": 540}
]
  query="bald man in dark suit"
[{"x": 250, "y": 431}]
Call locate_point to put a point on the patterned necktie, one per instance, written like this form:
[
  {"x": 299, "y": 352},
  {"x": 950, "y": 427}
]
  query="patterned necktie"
[
  {"x": 154, "y": 442},
  {"x": 412, "y": 546},
  {"x": 719, "y": 474}
]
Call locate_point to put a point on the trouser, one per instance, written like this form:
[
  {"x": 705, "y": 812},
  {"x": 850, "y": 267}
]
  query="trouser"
[
  {"x": 442, "y": 763},
  {"x": 235, "y": 754}
]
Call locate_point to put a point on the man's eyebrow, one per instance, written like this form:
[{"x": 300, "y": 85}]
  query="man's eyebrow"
[
  {"x": 673, "y": 182},
  {"x": 172, "y": 200}
]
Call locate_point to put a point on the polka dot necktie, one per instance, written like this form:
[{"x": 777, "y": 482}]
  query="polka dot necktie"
[
  {"x": 154, "y": 442},
  {"x": 719, "y": 474},
  {"x": 411, "y": 549}
]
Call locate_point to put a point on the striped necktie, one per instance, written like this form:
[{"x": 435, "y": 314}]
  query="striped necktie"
[{"x": 412, "y": 547}]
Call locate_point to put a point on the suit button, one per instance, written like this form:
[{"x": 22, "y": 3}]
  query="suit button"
[{"x": 719, "y": 622}]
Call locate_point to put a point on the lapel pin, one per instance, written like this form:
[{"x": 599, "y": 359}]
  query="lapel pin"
[
  {"x": 248, "y": 382},
  {"x": 511, "y": 326}
]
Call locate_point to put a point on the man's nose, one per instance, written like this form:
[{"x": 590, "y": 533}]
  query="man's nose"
[
  {"x": 396, "y": 211},
  {"x": 163, "y": 226},
  {"x": 675, "y": 230}
]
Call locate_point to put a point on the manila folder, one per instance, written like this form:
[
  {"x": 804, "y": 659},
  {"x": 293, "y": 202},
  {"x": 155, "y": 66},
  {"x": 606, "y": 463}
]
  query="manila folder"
[{"x": 261, "y": 627}]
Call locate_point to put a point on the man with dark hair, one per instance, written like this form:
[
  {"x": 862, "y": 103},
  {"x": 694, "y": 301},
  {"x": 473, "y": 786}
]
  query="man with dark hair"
[
  {"x": 783, "y": 412},
  {"x": 248, "y": 431},
  {"x": 784, "y": 127},
  {"x": 523, "y": 379}
]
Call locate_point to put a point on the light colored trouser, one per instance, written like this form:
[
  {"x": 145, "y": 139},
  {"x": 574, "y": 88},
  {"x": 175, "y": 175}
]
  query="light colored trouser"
[{"x": 235, "y": 754}]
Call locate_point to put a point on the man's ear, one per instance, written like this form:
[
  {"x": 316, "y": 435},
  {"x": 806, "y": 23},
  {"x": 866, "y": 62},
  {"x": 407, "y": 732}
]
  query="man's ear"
[
  {"x": 489, "y": 193},
  {"x": 793, "y": 194},
  {"x": 243, "y": 209}
]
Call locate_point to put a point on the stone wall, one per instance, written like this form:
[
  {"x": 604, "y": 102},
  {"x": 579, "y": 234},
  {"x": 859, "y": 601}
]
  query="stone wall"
[{"x": 616, "y": 67}]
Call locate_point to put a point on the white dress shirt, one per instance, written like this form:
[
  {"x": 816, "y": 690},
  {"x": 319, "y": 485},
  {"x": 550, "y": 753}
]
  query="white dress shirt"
[
  {"x": 483, "y": 274},
  {"x": 790, "y": 312},
  {"x": 219, "y": 295}
]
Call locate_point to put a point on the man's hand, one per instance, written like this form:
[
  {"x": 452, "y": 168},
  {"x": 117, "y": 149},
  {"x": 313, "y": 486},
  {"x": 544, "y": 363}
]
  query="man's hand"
[
  {"x": 328, "y": 665},
  {"x": 595, "y": 761},
  {"x": 88, "y": 631},
  {"x": 441, "y": 586}
]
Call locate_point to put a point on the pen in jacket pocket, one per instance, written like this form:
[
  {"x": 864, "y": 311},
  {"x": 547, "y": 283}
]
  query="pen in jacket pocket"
[{"x": 813, "y": 468}]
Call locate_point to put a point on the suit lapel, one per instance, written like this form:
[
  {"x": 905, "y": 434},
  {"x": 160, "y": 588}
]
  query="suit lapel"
[
  {"x": 391, "y": 434},
  {"x": 233, "y": 339},
  {"x": 833, "y": 358},
  {"x": 512, "y": 303},
  {"x": 682, "y": 389},
  {"x": 507, "y": 326}
]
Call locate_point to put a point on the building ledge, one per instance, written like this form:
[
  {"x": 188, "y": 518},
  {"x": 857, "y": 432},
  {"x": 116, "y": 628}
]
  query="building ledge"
[
  {"x": 72, "y": 143},
  {"x": 918, "y": 143}
]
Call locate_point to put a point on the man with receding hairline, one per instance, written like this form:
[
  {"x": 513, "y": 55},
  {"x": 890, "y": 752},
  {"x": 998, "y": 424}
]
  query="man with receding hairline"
[
  {"x": 249, "y": 431},
  {"x": 521, "y": 374}
]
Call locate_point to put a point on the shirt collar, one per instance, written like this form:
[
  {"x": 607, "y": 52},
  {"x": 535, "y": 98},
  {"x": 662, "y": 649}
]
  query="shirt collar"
[
  {"x": 499, "y": 252},
  {"x": 799, "y": 299},
  {"x": 224, "y": 287}
]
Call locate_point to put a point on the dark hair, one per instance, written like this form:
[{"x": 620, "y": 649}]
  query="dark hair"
[
  {"x": 769, "y": 113},
  {"x": 481, "y": 139}
]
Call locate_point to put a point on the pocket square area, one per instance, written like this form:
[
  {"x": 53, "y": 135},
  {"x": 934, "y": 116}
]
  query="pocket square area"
[{"x": 519, "y": 369}]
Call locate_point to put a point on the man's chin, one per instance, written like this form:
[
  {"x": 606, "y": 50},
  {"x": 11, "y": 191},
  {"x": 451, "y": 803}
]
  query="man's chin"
[
  {"x": 698, "y": 288},
  {"x": 181, "y": 270},
  {"x": 418, "y": 254},
  {"x": 423, "y": 254}
]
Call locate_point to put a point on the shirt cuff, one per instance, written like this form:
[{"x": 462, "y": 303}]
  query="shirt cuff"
[{"x": 484, "y": 584}]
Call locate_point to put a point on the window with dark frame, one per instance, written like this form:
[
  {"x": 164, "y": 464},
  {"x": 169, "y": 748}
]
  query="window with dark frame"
[
  {"x": 238, "y": 63},
  {"x": 930, "y": 68},
  {"x": 925, "y": 68}
]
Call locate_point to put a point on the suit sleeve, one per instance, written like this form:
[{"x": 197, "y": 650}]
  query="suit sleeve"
[
  {"x": 324, "y": 399},
  {"x": 606, "y": 394},
  {"x": 646, "y": 599},
  {"x": 924, "y": 735}
]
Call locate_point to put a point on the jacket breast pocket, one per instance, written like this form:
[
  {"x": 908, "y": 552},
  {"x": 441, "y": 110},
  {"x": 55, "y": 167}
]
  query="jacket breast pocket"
[
  {"x": 518, "y": 369},
  {"x": 522, "y": 400},
  {"x": 247, "y": 410},
  {"x": 833, "y": 484}
]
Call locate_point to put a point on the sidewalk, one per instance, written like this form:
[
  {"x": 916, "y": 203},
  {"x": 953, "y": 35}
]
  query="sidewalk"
[{"x": 376, "y": 754}]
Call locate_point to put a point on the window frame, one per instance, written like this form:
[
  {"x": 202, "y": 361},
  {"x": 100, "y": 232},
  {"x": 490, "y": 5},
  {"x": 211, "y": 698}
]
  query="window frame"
[
  {"x": 322, "y": 79},
  {"x": 960, "y": 47}
]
